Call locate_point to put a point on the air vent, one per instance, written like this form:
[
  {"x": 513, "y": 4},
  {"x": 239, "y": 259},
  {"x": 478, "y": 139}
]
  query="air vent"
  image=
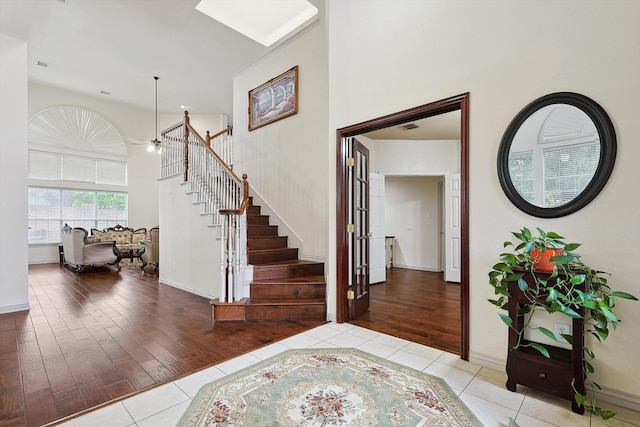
[
  {"x": 43, "y": 64},
  {"x": 409, "y": 126}
]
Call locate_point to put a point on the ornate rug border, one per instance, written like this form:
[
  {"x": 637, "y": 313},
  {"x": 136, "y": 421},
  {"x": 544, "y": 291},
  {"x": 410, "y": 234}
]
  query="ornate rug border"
[{"x": 191, "y": 410}]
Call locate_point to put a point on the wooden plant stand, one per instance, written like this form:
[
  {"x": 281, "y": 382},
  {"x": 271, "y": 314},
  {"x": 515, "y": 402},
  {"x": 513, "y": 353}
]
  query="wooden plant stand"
[{"x": 553, "y": 375}]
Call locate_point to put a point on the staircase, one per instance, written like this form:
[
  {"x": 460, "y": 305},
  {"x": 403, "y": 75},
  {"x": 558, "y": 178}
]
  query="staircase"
[{"x": 283, "y": 287}]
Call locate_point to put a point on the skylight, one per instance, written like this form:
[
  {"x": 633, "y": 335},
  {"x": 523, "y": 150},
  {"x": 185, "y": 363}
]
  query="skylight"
[{"x": 263, "y": 21}]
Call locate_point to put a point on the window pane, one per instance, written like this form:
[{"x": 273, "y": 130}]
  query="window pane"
[
  {"x": 112, "y": 209},
  {"x": 43, "y": 205},
  {"x": 50, "y": 209},
  {"x": 78, "y": 205},
  {"x": 521, "y": 173}
]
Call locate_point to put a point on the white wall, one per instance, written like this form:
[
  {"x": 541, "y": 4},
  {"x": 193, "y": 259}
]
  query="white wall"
[
  {"x": 13, "y": 175},
  {"x": 412, "y": 170},
  {"x": 286, "y": 160},
  {"x": 506, "y": 54},
  {"x": 412, "y": 215},
  {"x": 189, "y": 249},
  {"x": 408, "y": 157}
]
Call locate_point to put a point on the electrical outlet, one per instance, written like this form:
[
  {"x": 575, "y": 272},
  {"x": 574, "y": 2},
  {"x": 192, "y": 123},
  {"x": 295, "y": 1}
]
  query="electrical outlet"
[
  {"x": 560, "y": 329},
  {"x": 173, "y": 266}
]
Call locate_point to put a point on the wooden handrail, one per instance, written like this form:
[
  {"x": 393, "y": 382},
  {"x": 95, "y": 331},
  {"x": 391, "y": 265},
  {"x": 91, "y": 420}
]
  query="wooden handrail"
[
  {"x": 171, "y": 128},
  {"x": 202, "y": 141},
  {"x": 210, "y": 137}
]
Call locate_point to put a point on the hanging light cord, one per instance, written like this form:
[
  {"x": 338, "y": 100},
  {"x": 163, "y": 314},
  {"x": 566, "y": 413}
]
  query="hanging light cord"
[
  {"x": 155, "y": 77},
  {"x": 155, "y": 144}
]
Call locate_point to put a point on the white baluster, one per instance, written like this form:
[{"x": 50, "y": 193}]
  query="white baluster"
[{"x": 223, "y": 266}]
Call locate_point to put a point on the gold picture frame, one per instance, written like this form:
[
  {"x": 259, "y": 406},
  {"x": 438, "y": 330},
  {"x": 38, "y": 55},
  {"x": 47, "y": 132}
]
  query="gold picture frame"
[{"x": 274, "y": 100}]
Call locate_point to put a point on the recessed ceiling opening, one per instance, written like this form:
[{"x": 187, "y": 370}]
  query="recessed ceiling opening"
[{"x": 263, "y": 21}]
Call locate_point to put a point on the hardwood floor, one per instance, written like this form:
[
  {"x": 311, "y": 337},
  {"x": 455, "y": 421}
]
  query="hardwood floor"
[
  {"x": 418, "y": 306},
  {"x": 99, "y": 335}
]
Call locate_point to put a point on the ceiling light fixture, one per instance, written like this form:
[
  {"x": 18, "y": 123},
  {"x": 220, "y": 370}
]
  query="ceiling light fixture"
[{"x": 155, "y": 145}]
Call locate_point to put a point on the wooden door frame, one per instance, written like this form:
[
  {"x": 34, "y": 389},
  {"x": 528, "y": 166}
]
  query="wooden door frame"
[{"x": 458, "y": 102}]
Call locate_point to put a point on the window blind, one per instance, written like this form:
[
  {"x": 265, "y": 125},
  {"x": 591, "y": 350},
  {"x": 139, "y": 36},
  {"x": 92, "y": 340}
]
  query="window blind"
[
  {"x": 65, "y": 167},
  {"x": 568, "y": 171}
]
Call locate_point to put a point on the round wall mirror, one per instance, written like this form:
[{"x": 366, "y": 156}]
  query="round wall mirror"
[{"x": 556, "y": 155}]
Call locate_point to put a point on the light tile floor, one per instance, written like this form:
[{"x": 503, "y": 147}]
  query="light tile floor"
[{"x": 481, "y": 389}]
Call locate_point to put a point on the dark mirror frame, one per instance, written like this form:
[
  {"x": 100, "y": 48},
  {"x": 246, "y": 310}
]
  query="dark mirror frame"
[{"x": 608, "y": 148}]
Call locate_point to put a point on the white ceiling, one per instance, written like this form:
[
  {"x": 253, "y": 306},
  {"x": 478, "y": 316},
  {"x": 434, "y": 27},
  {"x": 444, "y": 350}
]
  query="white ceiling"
[
  {"x": 118, "y": 46},
  {"x": 441, "y": 127}
]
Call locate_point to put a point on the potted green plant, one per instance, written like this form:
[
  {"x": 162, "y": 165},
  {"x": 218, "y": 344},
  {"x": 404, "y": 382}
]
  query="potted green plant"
[{"x": 556, "y": 288}]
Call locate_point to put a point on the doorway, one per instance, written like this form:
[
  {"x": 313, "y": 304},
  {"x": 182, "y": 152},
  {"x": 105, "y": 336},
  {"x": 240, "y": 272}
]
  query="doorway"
[{"x": 343, "y": 263}]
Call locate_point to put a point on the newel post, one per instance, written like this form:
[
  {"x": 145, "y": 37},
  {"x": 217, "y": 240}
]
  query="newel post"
[{"x": 186, "y": 146}]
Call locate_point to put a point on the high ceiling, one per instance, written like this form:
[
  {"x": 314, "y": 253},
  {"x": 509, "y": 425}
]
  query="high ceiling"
[{"x": 118, "y": 46}]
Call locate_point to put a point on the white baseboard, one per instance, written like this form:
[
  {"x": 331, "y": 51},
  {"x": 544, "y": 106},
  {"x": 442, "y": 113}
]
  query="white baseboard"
[
  {"x": 413, "y": 267},
  {"x": 45, "y": 261},
  {"x": 488, "y": 361},
  {"x": 313, "y": 258},
  {"x": 616, "y": 397},
  {"x": 619, "y": 398},
  {"x": 14, "y": 308},
  {"x": 186, "y": 288}
]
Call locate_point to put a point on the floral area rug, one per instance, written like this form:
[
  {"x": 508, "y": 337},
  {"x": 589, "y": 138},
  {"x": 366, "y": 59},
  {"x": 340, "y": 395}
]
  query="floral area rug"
[{"x": 327, "y": 387}]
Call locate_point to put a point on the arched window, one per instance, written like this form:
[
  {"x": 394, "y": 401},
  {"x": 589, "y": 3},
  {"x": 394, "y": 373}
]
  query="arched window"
[{"x": 77, "y": 173}]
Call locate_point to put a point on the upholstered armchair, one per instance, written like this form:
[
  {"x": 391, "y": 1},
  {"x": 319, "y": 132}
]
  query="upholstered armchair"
[
  {"x": 151, "y": 253},
  {"x": 78, "y": 253}
]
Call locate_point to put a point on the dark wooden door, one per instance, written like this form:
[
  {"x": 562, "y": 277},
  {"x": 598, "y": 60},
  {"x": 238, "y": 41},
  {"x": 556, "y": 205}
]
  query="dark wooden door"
[{"x": 359, "y": 229}]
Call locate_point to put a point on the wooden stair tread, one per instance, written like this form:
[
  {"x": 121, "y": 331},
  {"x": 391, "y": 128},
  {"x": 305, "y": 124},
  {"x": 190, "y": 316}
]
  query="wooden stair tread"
[
  {"x": 284, "y": 287},
  {"x": 258, "y": 251},
  {"x": 290, "y": 301},
  {"x": 270, "y": 250},
  {"x": 320, "y": 280},
  {"x": 293, "y": 262}
]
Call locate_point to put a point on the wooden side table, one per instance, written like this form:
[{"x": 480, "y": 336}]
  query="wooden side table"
[{"x": 553, "y": 375}]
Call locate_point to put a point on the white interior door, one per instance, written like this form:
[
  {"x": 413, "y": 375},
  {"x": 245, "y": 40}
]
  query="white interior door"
[
  {"x": 453, "y": 248},
  {"x": 377, "y": 261}
]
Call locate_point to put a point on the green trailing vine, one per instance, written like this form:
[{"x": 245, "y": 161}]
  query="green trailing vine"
[{"x": 557, "y": 291}]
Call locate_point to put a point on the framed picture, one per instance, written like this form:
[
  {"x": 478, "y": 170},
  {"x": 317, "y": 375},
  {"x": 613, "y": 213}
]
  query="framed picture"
[{"x": 274, "y": 100}]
